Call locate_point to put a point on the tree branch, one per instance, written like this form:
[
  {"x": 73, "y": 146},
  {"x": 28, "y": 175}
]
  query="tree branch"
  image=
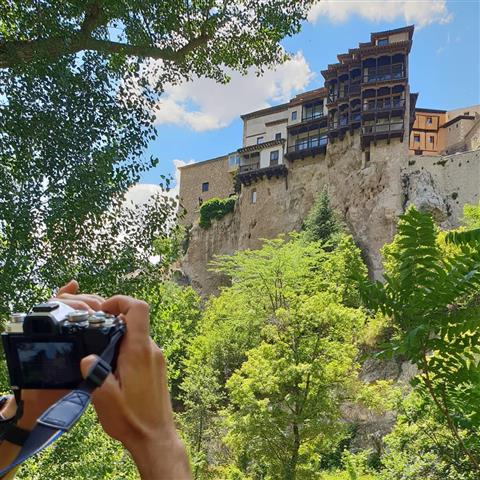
[{"x": 18, "y": 52}]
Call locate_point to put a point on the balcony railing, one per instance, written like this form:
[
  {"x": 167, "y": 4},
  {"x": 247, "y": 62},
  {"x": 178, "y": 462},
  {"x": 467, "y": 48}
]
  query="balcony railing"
[
  {"x": 248, "y": 167},
  {"x": 385, "y": 72},
  {"x": 386, "y": 104},
  {"x": 308, "y": 144},
  {"x": 382, "y": 128},
  {"x": 313, "y": 116},
  {"x": 355, "y": 88},
  {"x": 355, "y": 117}
]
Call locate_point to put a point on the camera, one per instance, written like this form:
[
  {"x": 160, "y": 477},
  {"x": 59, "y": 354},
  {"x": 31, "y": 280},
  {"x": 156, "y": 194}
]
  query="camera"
[{"x": 43, "y": 348}]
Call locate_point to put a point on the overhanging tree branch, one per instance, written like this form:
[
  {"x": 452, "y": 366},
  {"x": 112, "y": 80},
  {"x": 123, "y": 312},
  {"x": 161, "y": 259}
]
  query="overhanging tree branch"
[{"x": 15, "y": 53}]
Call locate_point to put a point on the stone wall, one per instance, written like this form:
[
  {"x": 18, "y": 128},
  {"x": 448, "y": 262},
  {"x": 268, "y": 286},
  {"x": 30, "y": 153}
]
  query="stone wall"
[
  {"x": 442, "y": 185},
  {"x": 220, "y": 184}
]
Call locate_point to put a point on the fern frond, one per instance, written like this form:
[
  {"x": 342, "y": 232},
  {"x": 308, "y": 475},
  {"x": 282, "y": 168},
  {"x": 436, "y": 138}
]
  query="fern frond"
[{"x": 469, "y": 237}]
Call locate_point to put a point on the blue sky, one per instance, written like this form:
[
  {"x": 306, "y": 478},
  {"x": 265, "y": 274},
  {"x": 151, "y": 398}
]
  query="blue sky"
[{"x": 200, "y": 120}]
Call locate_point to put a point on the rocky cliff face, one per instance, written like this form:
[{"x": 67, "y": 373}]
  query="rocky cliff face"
[{"x": 369, "y": 195}]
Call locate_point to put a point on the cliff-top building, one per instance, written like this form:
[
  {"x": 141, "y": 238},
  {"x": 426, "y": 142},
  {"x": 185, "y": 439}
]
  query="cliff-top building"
[{"x": 365, "y": 106}]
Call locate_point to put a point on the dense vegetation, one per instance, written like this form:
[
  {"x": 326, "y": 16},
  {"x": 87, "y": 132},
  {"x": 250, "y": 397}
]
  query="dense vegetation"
[
  {"x": 265, "y": 376},
  {"x": 215, "y": 209}
]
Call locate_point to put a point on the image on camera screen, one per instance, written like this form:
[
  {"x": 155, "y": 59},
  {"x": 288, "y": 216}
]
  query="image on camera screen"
[{"x": 47, "y": 363}]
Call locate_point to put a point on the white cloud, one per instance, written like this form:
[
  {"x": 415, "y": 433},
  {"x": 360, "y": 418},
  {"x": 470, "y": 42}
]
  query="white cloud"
[
  {"x": 203, "y": 104},
  {"x": 141, "y": 193},
  {"x": 419, "y": 12}
]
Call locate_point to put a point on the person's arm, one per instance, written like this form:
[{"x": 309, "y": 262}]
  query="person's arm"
[{"x": 133, "y": 405}]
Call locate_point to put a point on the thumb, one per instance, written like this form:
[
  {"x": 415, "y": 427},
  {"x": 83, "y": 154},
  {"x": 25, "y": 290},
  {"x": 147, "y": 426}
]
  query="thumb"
[
  {"x": 109, "y": 390},
  {"x": 71, "y": 287}
]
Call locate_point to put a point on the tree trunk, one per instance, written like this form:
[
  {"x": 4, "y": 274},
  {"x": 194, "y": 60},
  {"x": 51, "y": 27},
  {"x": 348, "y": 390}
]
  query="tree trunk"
[{"x": 291, "y": 467}]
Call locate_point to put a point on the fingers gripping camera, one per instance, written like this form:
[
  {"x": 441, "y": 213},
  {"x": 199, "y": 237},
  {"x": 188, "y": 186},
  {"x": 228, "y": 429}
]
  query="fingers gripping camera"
[{"x": 44, "y": 348}]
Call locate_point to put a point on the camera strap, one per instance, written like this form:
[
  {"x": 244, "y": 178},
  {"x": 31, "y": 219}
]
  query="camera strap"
[{"x": 62, "y": 415}]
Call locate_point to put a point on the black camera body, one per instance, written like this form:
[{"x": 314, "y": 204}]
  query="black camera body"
[{"x": 44, "y": 348}]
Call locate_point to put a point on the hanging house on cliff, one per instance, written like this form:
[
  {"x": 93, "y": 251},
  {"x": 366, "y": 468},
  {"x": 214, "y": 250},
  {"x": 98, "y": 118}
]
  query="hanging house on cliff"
[{"x": 365, "y": 108}]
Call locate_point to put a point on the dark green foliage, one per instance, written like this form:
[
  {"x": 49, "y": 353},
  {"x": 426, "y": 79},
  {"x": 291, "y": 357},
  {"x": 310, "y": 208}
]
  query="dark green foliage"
[
  {"x": 459, "y": 237},
  {"x": 215, "y": 209},
  {"x": 431, "y": 293},
  {"x": 420, "y": 446},
  {"x": 322, "y": 223}
]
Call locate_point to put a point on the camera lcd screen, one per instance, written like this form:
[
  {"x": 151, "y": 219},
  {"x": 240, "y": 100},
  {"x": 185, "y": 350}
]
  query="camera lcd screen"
[{"x": 48, "y": 363}]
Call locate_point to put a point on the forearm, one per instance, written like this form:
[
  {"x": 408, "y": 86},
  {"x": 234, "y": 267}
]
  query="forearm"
[
  {"x": 9, "y": 451},
  {"x": 161, "y": 459}
]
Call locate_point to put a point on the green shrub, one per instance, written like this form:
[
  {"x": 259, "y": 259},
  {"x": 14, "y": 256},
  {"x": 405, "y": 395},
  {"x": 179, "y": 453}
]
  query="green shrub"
[{"x": 215, "y": 209}]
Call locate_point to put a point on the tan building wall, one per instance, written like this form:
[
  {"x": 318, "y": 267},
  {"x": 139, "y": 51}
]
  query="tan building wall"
[
  {"x": 472, "y": 139},
  {"x": 265, "y": 125},
  {"x": 456, "y": 132},
  {"x": 193, "y": 177},
  {"x": 426, "y": 135}
]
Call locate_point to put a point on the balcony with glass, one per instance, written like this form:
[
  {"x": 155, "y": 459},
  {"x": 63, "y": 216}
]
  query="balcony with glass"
[
  {"x": 307, "y": 144},
  {"x": 250, "y": 168},
  {"x": 384, "y": 68},
  {"x": 312, "y": 111},
  {"x": 382, "y": 129}
]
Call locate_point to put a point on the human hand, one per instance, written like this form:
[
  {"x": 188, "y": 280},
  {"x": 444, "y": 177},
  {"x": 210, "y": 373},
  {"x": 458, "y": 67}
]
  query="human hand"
[{"x": 133, "y": 404}]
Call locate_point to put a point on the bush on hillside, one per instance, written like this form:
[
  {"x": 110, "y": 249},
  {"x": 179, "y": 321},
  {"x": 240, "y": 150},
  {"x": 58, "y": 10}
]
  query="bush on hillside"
[{"x": 215, "y": 209}]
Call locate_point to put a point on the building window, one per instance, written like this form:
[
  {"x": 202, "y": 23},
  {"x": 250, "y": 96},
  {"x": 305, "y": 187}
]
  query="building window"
[
  {"x": 429, "y": 120},
  {"x": 431, "y": 139},
  {"x": 274, "y": 157},
  {"x": 259, "y": 140},
  {"x": 254, "y": 196},
  {"x": 294, "y": 115},
  {"x": 416, "y": 138},
  {"x": 205, "y": 187},
  {"x": 367, "y": 156},
  {"x": 233, "y": 161},
  {"x": 382, "y": 41},
  {"x": 278, "y": 136},
  {"x": 312, "y": 110}
]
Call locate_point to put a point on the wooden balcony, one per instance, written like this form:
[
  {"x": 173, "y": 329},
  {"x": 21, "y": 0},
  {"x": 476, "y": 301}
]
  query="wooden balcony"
[
  {"x": 247, "y": 174},
  {"x": 381, "y": 131},
  {"x": 384, "y": 73},
  {"x": 390, "y": 105},
  {"x": 310, "y": 147}
]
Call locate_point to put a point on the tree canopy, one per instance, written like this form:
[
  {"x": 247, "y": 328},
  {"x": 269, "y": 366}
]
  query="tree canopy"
[{"x": 189, "y": 37}]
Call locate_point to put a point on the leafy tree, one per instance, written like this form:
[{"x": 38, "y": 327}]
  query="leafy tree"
[
  {"x": 274, "y": 335},
  {"x": 421, "y": 445},
  {"x": 286, "y": 397},
  {"x": 174, "y": 316},
  {"x": 187, "y": 37},
  {"x": 79, "y": 85},
  {"x": 322, "y": 223},
  {"x": 431, "y": 295},
  {"x": 471, "y": 215}
]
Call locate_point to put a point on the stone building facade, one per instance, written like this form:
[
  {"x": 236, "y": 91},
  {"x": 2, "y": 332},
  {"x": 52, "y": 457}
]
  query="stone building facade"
[{"x": 202, "y": 181}]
